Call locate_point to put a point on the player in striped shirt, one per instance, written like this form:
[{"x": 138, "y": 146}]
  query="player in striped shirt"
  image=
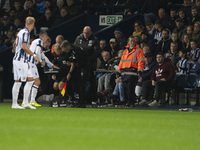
[
  {"x": 36, "y": 48},
  {"x": 182, "y": 63},
  {"x": 20, "y": 65}
]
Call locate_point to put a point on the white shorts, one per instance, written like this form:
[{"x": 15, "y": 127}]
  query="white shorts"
[
  {"x": 34, "y": 71},
  {"x": 21, "y": 70}
]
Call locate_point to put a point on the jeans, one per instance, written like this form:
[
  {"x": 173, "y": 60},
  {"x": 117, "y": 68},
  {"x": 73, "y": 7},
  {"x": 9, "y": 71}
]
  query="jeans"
[
  {"x": 104, "y": 82},
  {"x": 119, "y": 90}
]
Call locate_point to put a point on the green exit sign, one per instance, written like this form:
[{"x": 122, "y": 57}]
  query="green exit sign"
[{"x": 105, "y": 20}]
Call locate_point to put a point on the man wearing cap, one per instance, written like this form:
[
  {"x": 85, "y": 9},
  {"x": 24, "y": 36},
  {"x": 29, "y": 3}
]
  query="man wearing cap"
[
  {"x": 161, "y": 79},
  {"x": 114, "y": 47},
  {"x": 121, "y": 39},
  {"x": 132, "y": 61},
  {"x": 180, "y": 28},
  {"x": 146, "y": 75}
]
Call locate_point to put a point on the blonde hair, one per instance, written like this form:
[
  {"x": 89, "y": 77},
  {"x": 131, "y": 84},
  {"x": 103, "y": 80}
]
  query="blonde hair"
[{"x": 30, "y": 20}]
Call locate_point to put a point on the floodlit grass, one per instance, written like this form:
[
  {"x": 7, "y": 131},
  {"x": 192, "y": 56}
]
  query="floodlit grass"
[{"x": 98, "y": 129}]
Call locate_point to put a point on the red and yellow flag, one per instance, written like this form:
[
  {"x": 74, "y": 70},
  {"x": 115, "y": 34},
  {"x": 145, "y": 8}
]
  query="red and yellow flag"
[{"x": 63, "y": 90}]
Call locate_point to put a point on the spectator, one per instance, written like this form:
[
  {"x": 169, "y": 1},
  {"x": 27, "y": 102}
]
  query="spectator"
[
  {"x": 135, "y": 54},
  {"x": 172, "y": 18},
  {"x": 29, "y": 11},
  {"x": 12, "y": 15},
  {"x": 64, "y": 16},
  {"x": 197, "y": 4},
  {"x": 183, "y": 16},
  {"x": 189, "y": 31},
  {"x": 137, "y": 38},
  {"x": 180, "y": 28},
  {"x": 146, "y": 49},
  {"x": 186, "y": 43},
  {"x": 40, "y": 6},
  {"x": 121, "y": 39},
  {"x": 187, "y": 4},
  {"x": 103, "y": 45},
  {"x": 150, "y": 29},
  {"x": 17, "y": 25},
  {"x": 172, "y": 54},
  {"x": 196, "y": 32},
  {"x": 46, "y": 21},
  {"x": 114, "y": 47},
  {"x": 2, "y": 45},
  {"x": 194, "y": 53},
  {"x": 158, "y": 33},
  {"x": 161, "y": 79},
  {"x": 182, "y": 63},
  {"x": 194, "y": 15},
  {"x": 10, "y": 38},
  {"x": 48, "y": 5},
  {"x": 56, "y": 11},
  {"x": 6, "y": 25},
  {"x": 4, "y": 7},
  {"x": 174, "y": 38},
  {"x": 138, "y": 28},
  {"x": 72, "y": 8},
  {"x": 90, "y": 46},
  {"x": 163, "y": 17},
  {"x": 164, "y": 44},
  {"x": 146, "y": 75},
  {"x": 18, "y": 8}
]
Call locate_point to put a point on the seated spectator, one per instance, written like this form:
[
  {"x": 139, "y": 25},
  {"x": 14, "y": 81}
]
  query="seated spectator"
[
  {"x": 180, "y": 28},
  {"x": 194, "y": 53},
  {"x": 2, "y": 45},
  {"x": 189, "y": 31},
  {"x": 183, "y": 16},
  {"x": 17, "y": 25},
  {"x": 45, "y": 21},
  {"x": 17, "y": 7},
  {"x": 103, "y": 45},
  {"x": 29, "y": 11},
  {"x": 56, "y": 11},
  {"x": 196, "y": 32},
  {"x": 194, "y": 15},
  {"x": 114, "y": 47},
  {"x": 12, "y": 15},
  {"x": 163, "y": 17},
  {"x": 158, "y": 33},
  {"x": 72, "y": 8},
  {"x": 6, "y": 25},
  {"x": 9, "y": 38},
  {"x": 172, "y": 18},
  {"x": 138, "y": 27},
  {"x": 150, "y": 29},
  {"x": 197, "y": 4},
  {"x": 161, "y": 79},
  {"x": 164, "y": 44},
  {"x": 186, "y": 43},
  {"x": 137, "y": 38},
  {"x": 49, "y": 5},
  {"x": 187, "y": 4},
  {"x": 174, "y": 38},
  {"x": 121, "y": 39},
  {"x": 172, "y": 54},
  {"x": 40, "y": 6},
  {"x": 182, "y": 63},
  {"x": 146, "y": 75},
  {"x": 146, "y": 49},
  {"x": 64, "y": 16}
]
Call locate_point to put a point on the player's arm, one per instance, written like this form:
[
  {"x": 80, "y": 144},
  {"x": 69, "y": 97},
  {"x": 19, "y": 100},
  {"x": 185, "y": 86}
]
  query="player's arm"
[
  {"x": 46, "y": 60},
  {"x": 71, "y": 70},
  {"x": 27, "y": 50}
]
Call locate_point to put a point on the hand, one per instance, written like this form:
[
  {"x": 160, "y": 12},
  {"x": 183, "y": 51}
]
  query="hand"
[
  {"x": 163, "y": 79},
  {"x": 139, "y": 79},
  {"x": 43, "y": 63},
  {"x": 54, "y": 77},
  {"x": 68, "y": 76},
  {"x": 55, "y": 67},
  {"x": 35, "y": 57},
  {"x": 153, "y": 83},
  {"x": 68, "y": 63}
]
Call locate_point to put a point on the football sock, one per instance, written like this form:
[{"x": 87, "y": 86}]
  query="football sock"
[
  {"x": 27, "y": 89},
  {"x": 34, "y": 93},
  {"x": 15, "y": 92}
]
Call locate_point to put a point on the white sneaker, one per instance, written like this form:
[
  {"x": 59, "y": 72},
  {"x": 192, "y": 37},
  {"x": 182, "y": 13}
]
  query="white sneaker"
[
  {"x": 28, "y": 106},
  {"x": 154, "y": 103},
  {"x": 143, "y": 102},
  {"x": 17, "y": 107}
]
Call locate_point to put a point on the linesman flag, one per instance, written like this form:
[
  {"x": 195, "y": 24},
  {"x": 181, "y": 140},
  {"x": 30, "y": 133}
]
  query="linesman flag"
[{"x": 63, "y": 90}]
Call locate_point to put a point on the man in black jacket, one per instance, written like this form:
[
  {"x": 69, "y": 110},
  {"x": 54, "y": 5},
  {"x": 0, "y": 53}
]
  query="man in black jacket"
[{"x": 90, "y": 46}]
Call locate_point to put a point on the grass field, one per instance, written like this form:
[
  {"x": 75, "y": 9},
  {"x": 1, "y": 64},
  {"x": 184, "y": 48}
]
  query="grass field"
[{"x": 98, "y": 129}]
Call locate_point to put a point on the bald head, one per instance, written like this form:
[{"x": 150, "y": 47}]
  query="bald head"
[{"x": 87, "y": 31}]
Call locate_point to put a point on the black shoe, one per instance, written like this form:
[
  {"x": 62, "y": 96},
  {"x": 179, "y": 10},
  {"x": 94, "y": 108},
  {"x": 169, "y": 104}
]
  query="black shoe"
[{"x": 122, "y": 103}]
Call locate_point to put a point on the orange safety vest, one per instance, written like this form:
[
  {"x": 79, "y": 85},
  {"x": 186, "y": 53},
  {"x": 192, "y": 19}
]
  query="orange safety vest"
[{"x": 133, "y": 59}]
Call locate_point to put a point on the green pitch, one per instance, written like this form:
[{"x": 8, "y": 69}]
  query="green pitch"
[{"x": 98, "y": 129}]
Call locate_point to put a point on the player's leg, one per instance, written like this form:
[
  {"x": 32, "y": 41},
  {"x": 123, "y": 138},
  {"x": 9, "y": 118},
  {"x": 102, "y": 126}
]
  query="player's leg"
[
  {"x": 17, "y": 68},
  {"x": 34, "y": 92}
]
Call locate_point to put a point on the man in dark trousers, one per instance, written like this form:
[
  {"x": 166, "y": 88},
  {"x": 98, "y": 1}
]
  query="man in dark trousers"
[
  {"x": 90, "y": 46},
  {"x": 161, "y": 79}
]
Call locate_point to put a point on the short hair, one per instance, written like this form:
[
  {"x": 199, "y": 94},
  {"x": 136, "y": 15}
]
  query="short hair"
[
  {"x": 197, "y": 22},
  {"x": 42, "y": 34},
  {"x": 30, "y": 20},
  {"x": 105, "y": 52},
  {"x": 194, "y": 7},
  {"x": 65, "y": 44},
  {"x": 175, "y": 43},
  {"x": 148, "y": 23},
  {"x": 60, "y": 36},
  {"x": 48, "y": 39}
]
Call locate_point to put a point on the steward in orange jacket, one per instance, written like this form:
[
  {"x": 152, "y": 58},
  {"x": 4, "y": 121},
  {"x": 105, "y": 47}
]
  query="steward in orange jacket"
[{"x": 132, "y": 61}]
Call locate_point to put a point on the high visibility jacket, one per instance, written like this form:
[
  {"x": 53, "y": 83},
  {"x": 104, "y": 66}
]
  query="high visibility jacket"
[{"x": 133, "y": 59}]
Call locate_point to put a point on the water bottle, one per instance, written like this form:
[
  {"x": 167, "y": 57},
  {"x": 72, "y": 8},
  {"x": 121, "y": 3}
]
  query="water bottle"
[{"x": 186, "y": 109}]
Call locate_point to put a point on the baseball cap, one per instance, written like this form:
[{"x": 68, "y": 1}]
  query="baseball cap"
[{"x": 112, "y": 40}]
